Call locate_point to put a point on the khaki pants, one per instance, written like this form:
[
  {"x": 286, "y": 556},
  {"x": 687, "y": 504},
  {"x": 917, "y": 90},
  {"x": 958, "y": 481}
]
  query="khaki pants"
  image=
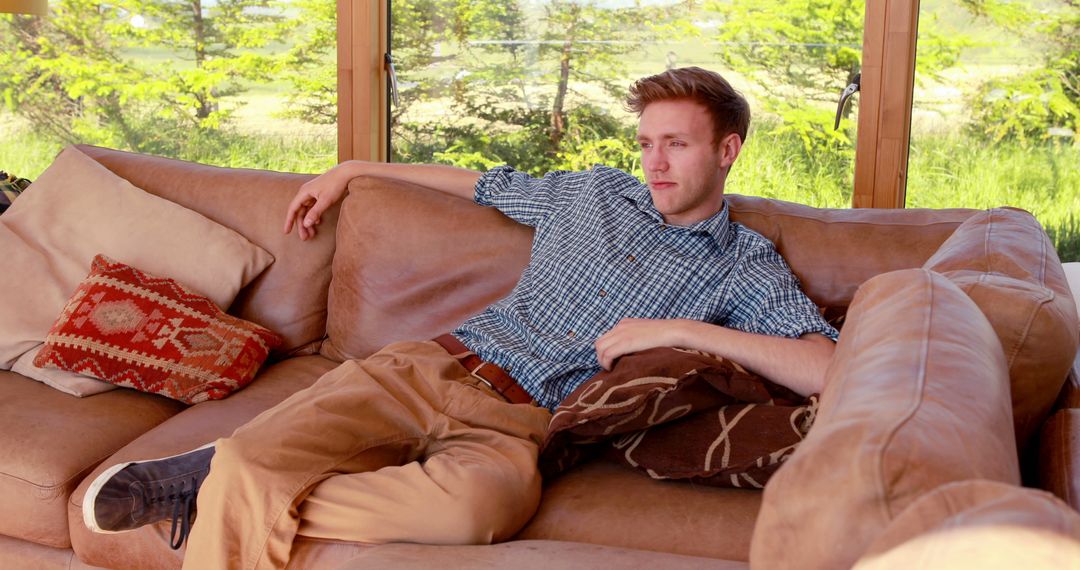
[{"x": 404, "y": 446}]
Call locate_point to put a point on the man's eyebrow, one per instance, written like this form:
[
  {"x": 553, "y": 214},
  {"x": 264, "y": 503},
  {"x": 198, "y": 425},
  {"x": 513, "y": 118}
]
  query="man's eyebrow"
[{"x": 664, "y": 136}]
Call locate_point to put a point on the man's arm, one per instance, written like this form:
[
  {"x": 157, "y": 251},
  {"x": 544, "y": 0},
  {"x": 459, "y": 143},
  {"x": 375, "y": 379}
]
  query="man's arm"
[
  {"x": 318, "y": 194},
  {"x": 798, "y": 363}
]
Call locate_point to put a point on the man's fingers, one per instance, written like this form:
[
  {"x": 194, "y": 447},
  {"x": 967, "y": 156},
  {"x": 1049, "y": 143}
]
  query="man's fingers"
[
  {"x": 296, "y": 210},
  {"x": 314, "y": 214}
]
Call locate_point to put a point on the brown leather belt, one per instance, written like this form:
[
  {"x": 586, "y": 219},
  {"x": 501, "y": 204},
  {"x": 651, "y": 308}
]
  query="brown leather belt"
[{"x": 486, "y": 372}]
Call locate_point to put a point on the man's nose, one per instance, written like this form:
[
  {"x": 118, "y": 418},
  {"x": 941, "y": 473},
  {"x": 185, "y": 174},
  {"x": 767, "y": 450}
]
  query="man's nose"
[{"x": 655, "y": 161}]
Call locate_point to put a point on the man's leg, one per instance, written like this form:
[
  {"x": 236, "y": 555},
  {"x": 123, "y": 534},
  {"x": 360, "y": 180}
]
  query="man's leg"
[
  {"x": 474, "y": 486},
  {"x": 365, "y": 416}
]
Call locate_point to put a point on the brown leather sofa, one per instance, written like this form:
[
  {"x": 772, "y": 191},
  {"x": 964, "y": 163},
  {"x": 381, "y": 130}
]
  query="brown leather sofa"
[{"x": 955, "y": 346}]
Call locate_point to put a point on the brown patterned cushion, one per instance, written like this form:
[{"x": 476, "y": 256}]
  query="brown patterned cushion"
[{"x": 679, "y": 414}]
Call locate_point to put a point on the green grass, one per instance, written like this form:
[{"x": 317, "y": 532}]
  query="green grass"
[
  {"x": 27, "y": 154},
  {"x": 952, "y": 172},
  {"x": 776, "y": 166}
]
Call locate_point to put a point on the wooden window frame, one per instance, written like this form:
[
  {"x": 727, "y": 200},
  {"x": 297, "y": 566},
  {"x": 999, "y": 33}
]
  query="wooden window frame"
[
  {"x": 884, "y": 120},
  {"x": 362, "y": 99},
  {"x": 885, "y": 99}
]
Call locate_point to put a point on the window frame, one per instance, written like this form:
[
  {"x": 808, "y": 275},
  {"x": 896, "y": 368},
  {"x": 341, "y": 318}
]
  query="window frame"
[
  {"x": 362, "y": 39},
  {"x": 885, "y": 99}
]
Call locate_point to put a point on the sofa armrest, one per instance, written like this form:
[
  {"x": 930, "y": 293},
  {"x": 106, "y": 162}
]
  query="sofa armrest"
[
  {"x": 917, "y": 396},
  {"x": 979, "y": 524},
  {"x": 1070, "y": 392},
  {"x": 1059, "y": 456}
]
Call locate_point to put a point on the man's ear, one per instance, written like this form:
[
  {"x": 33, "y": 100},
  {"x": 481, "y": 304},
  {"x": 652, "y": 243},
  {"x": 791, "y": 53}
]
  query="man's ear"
[{"x": 729, "y": 149}]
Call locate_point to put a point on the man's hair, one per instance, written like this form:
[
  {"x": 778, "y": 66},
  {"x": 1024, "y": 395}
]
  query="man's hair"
[{"x": 728, "y": 108}]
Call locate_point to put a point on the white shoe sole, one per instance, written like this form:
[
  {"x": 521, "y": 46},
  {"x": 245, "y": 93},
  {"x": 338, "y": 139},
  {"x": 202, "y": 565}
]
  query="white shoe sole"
[{"x": 91, "y": 493}]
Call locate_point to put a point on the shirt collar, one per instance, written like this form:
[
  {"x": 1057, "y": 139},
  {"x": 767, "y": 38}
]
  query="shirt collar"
[{"x": 715, "y": 225}]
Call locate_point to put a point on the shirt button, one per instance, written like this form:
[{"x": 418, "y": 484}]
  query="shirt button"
[
  {"x": 603, "y": 293},
  {"x": 631, "y": 258},
  {"x": 570, "y": 334}
]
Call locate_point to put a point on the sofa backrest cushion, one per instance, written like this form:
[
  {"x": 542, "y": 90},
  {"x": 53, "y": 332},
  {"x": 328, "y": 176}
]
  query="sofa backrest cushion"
[
  {"x": 916, "y": 396},
  {"x": 417, "y": 264},
  {"x": 414, "y": 263},
  {"x": 288, "y": 298},
  {"x": 77, "y": 209},
  {"x": 833, "y": 251},
  {"x": 1006, "y": 263}
]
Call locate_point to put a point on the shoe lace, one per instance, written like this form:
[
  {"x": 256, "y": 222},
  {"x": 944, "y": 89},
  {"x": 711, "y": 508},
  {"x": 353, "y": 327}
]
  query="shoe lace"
[{"x": 182, "y": 497}]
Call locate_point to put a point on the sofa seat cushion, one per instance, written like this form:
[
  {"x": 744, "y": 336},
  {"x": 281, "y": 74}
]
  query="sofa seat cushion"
[
  {"x": 613, "y": 505},
  {"x": 20, "y": 554},
  {"x": 50, "y": 440},
  {"x": 148, "y": 547},
  {"x": 527, "y": 555}
]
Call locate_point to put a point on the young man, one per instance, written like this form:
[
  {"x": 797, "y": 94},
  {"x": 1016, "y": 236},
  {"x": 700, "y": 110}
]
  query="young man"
[{"x": 407, "y": 445}]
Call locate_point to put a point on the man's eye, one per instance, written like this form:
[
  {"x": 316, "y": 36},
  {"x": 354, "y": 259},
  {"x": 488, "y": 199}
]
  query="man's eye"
[
  {"x": 645, "y": 145},
  {"x": 677, "y": 144}
]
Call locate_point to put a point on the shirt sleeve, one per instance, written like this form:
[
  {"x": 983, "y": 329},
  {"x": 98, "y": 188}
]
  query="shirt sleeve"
[
  {"x": 526, "y": 199},
  {"x": 766, "y": 299}
]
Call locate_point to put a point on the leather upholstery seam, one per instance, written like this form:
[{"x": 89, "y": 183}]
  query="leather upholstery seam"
[
  {"x": 53, "y": 486},
  {"x": 830, "y": 222},
  {"x": 924, "y": 353}
]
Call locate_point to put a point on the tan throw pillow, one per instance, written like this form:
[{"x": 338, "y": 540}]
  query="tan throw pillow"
[
  {"x": 1005, "y": 262},
  {"x": 683, "y": 415},
  {"x": 77, "y": 209},
  {"x": 78, "y": 385}
]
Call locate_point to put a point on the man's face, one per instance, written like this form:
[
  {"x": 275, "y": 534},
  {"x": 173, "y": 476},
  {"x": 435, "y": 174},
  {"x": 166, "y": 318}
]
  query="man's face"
[{"x": 683, "y": 169}]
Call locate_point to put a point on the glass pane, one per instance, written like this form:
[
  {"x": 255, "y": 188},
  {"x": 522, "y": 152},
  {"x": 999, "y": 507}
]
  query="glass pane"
[
  {"x": 539, "y": 85},
  {"x": 241, "y": 83},
  {"x": 997, "y": 109}
]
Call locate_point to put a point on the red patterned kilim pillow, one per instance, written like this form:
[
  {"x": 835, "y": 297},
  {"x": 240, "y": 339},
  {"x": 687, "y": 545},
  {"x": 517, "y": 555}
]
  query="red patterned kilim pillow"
[{"x": 153, "y": 334}]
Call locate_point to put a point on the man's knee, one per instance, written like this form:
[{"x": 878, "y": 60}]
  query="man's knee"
[{"x": 491, "y": 508}]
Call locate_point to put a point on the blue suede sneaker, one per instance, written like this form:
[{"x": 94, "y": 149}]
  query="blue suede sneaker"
[{"x": 130, "y": 495}]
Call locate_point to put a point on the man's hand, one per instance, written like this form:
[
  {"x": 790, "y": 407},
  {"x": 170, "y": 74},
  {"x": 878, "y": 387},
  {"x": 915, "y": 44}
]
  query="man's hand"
[
  {"x": 318, "y": 194},
  {"x": 635, "y": 335},
  {"x": 315, "y": 197}
]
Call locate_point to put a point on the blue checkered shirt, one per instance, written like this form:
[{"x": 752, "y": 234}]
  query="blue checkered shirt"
[{"x": 602, "y": 252}]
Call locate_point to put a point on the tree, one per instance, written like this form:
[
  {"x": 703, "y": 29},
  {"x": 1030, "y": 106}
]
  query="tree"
[
  {"x": 310, "y": 65},
  {"x": 73, "y": 74},
  {"x": 533, "y": 82},
  {"x": 220, "y": 42},
  {"x": 1040, "y": 104},
  {"x": 807, "y": 51}
]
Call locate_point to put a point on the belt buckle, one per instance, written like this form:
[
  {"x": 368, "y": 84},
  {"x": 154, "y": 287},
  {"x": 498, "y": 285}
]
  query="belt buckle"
[{"x": 475, "y": 373}]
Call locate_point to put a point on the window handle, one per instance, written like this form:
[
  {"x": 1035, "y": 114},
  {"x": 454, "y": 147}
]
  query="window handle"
[
  {"x": 845, "y": 95},
  {"x": 393, "y": 79}
]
